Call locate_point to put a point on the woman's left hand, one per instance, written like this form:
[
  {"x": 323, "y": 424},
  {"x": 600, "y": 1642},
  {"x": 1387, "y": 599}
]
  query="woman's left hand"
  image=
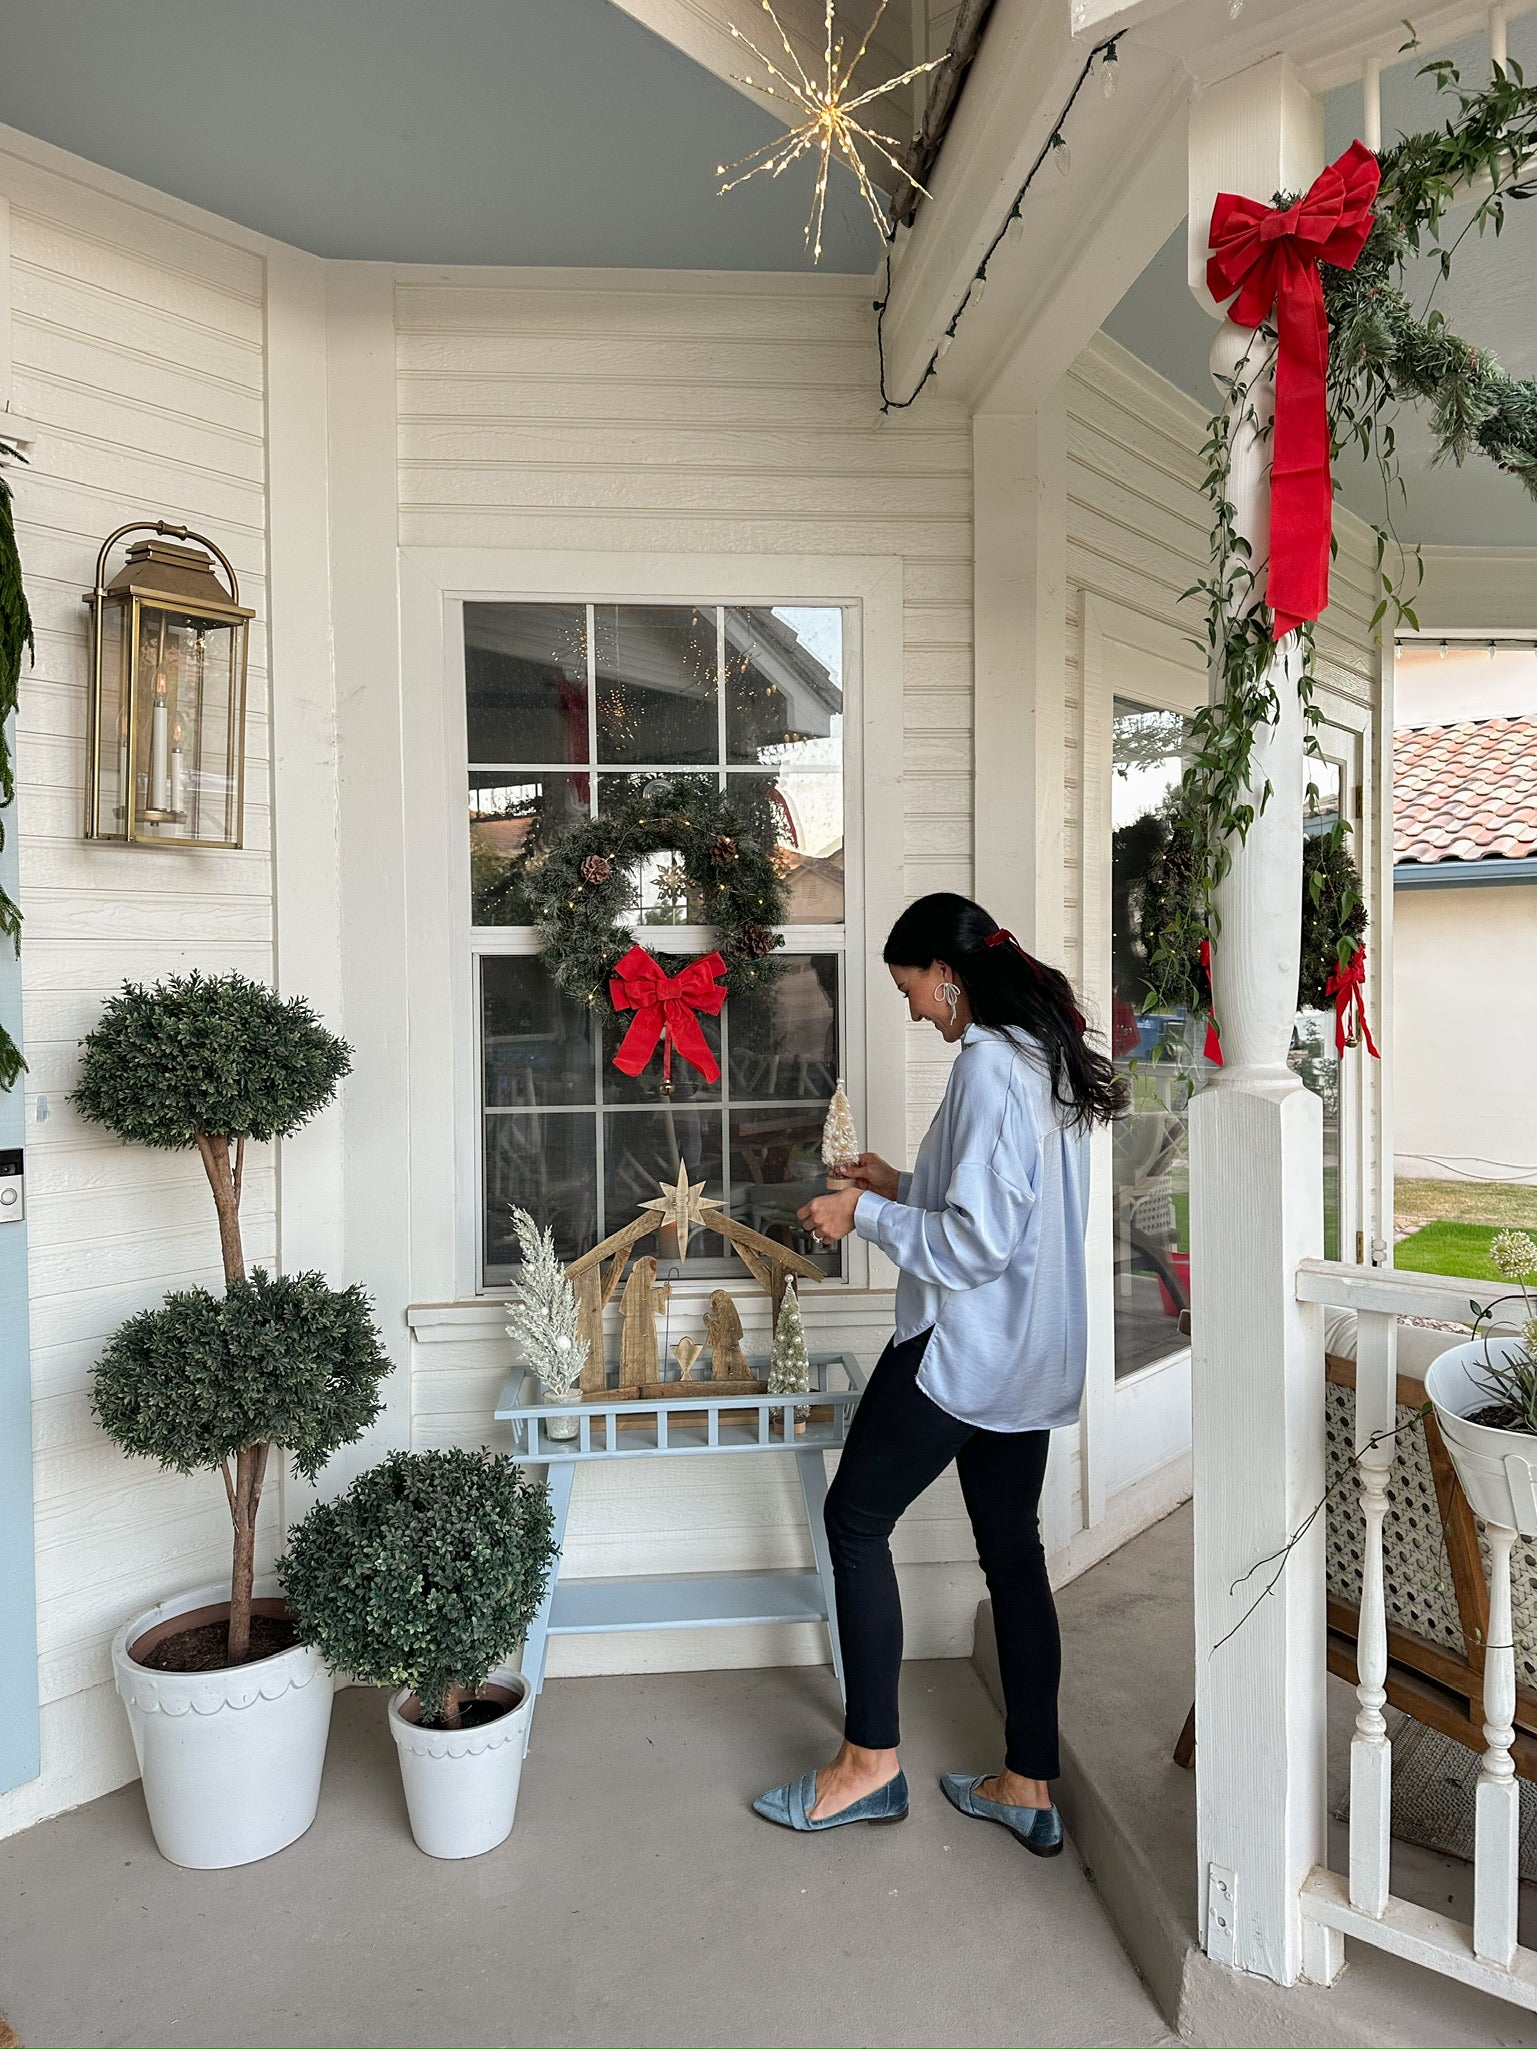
[{"x": 831, "y": 1217}]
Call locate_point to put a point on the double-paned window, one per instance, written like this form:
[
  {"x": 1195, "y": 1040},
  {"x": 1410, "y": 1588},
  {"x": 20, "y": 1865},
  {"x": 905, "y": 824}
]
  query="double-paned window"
[{"x": 570, "y": 710}]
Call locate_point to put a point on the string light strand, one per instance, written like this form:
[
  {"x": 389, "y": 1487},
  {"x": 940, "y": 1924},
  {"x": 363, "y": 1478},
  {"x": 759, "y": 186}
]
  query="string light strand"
[{"x": 1055, "y": 146}]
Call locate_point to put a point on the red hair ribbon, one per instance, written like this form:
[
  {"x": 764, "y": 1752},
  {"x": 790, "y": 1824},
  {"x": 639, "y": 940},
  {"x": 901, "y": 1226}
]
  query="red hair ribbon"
[
  {"x": 1213, "y": 1036},
  {"x": 1004, "y": 937},
  {"x": 1347, "y": 986},
  {"x": 666, "y": 1008},
  {"x": 1270, "y": 258}
]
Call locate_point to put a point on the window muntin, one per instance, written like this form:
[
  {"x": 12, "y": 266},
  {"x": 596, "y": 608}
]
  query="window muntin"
[{"x": 752, "y": 698}]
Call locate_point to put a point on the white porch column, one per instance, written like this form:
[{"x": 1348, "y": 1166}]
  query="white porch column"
[{"x": 1256, "y": 1209}]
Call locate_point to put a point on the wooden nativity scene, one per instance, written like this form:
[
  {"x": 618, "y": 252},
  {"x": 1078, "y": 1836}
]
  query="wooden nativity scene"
[{"x": 558, "y": 1311}]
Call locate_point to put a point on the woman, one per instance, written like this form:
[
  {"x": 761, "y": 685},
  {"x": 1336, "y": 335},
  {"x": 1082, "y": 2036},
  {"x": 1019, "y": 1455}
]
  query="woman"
[{"x": 987, "y": 1360}]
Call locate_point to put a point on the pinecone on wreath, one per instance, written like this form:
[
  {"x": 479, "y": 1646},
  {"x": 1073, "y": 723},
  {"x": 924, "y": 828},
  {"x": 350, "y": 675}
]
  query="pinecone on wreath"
[
  {"x": 597, "y": 868},
  {"x": 723, "y": 848},
  {"x": 676, "y": 825},
  {"x": 757, "y": 942}
]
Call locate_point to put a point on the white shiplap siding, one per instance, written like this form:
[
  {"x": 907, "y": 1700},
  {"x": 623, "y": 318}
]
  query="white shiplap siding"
[
  {"x": 711, "y": 415},
  {"x": 138, "y": 350}
]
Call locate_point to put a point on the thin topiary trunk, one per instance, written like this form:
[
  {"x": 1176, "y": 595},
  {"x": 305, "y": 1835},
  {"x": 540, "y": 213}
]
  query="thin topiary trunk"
[{"x": 225, "y": 1174}]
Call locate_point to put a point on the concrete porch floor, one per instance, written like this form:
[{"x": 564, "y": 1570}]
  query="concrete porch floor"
[
  {"x": 1128, "y": 1677},
  {"x": 637, "y": 1901}
]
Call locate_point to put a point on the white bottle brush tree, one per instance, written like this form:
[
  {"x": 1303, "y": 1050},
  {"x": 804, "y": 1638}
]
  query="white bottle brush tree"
[
  {"x": 790, "y": 1367},
  {"x": 840, "y": 1141},
  {"x": 544, "y": 1317}
]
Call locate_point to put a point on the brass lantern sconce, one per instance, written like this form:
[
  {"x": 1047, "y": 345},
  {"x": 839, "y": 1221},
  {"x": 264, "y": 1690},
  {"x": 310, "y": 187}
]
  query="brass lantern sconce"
[{"x": 165, "y": 731}]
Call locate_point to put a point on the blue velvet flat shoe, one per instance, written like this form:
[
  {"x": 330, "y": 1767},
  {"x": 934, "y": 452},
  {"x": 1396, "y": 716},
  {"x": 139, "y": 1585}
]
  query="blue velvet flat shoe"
[
  {"x": 790, "y": 1805},
  {"x": 1038, "y": 1828}
]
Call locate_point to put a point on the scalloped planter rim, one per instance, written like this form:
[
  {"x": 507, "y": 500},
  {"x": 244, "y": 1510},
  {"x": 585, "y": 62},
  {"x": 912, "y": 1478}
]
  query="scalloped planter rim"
[
  {"x": 461, "y": 1785},
  {"x": 1497, "y": 1468},
  {"x": 230, "y": 1760}
]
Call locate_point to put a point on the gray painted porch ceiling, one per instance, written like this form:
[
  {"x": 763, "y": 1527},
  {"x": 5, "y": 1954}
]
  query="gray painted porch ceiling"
[{"x": 421, "y": 131}]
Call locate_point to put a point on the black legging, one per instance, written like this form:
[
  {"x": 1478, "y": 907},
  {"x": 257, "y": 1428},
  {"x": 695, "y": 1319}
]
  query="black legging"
[{"x": 899, "y": 1443}]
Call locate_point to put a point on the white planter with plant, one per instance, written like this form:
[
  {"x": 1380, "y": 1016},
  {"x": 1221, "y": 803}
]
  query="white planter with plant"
[
  {"x": 425, "y": 1576},
  {"x": 545, "y": 1322},
  {"x": 228, "y": 1707},
  {"x": 1485, "y": 1397}
]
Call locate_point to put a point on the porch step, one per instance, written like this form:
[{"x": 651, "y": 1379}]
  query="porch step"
[{"x": 1128, "y": 1656}]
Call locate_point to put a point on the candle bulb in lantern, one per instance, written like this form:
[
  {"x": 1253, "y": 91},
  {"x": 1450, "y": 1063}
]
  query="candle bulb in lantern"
[
  {"x": 177, "y": 762},
  {"x": 159, "y": 736}
]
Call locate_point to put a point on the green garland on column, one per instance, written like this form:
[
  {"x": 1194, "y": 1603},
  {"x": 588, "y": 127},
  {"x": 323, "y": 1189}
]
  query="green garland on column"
[
  {"x": 1381, "y": 355},
  {"x": 15, "y": 637}
]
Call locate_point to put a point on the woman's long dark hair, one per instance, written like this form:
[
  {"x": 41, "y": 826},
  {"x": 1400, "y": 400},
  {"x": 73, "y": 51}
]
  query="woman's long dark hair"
[{"x": 1011, "y": 991}]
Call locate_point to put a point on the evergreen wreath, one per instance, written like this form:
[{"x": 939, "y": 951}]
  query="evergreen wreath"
[
  {"x": 1381, "y": 354},
  {"x": 1169, "y": 910},
  {"x": 15, "y": 637},
  {"x": 580, "y": 886}
]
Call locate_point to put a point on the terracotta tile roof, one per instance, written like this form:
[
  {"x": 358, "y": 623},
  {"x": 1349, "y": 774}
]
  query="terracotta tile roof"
[{"x": 1466, "y": 792}]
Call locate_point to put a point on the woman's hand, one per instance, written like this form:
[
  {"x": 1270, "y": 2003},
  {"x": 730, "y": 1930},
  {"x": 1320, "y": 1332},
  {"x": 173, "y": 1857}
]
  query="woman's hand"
[
  {"x": 830, "y": 1217},
  {"x": 871, "y": 1171}
]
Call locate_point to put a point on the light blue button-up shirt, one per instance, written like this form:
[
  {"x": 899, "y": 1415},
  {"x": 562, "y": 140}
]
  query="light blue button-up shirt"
[{"x": 988, "y": 1232}]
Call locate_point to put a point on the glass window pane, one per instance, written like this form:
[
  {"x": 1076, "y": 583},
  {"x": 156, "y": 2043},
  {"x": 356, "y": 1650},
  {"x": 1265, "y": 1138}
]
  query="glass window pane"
[
  {"x": 656, "y": 671},
  {"x": 804, "y": 813},
  {"x": 536, "y": 1043},
  {"x": 525, "y": 681},
  {"x": 784, "y": 685},
  {"x": 1314, "y": 1058},
  {"x": 776, "y": 1168},
  {"x": 784, "y": 1039},
  {"x": 548, "y": 1166},
  {"x": 642, "y": 1149},
  {"x": 689, "y": 1084},
  {"x": 1151, "y": 1145},
  {"x": 511, "y": 816},
  {"x": 663, "y": 894}
]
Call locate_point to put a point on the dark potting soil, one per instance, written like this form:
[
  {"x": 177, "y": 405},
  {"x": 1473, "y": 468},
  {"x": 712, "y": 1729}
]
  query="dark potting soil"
[
  {"x": 474, "y": 1714},
  {"x": 206, "y": 1648},
  {"x": 1497, "y": 1416}
]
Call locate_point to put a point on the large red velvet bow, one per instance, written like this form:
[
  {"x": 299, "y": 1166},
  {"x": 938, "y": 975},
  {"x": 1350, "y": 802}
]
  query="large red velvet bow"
[
  {"x": 1347, "y": 986},
  {"x": 1270, "y": 258},
  {"x": 666, "y": 1008}
]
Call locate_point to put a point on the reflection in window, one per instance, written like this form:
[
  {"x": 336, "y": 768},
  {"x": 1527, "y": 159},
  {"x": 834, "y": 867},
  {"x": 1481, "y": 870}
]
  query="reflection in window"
[
  {"x": 569, "y": 709},
  {"x": 1151, "y": 1144}
]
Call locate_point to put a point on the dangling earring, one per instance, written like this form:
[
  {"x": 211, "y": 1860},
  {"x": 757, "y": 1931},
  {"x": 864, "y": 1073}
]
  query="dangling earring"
[{"x": 947, "y": 992}]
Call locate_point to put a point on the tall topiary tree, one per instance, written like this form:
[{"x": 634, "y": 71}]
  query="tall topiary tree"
[{"x": 212, "y": 1062}]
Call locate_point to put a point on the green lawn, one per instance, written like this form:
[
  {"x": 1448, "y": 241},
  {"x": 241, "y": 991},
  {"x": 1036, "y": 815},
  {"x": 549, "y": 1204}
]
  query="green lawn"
[{"x": 1447, "y": 1248}]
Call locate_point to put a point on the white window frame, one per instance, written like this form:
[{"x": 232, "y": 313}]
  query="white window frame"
[{"x": 443, "y": 1021}]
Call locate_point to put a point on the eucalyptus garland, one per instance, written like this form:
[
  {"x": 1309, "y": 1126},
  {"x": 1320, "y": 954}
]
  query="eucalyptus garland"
[
  {"x": 15, "y": 638},
  {"x": 1381, "y": 354},
  {"x": 580, "y": 888}
]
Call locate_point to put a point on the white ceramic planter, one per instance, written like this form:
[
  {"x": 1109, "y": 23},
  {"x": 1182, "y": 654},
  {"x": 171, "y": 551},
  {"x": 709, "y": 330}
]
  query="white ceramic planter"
[
  {"x": 1497, "y": 1468},
  {"x": 462, "y": 1784},
  {"x": 231, "y": 1760}
]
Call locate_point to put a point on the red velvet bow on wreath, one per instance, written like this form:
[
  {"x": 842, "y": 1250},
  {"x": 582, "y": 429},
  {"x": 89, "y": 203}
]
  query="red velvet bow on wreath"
[
  {"x": 667, "y": 1007},
  {"x": 1270, "y": 258},
  {"x": 1347, "y": 987}
]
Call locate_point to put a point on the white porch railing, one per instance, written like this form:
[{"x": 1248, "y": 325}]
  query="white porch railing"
[{"x": 1485, "y": 1954}]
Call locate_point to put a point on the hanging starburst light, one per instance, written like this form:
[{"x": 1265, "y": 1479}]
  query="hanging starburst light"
[{"x": 829, "y": 126}]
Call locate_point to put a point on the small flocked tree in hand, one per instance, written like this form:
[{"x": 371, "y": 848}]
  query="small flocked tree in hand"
[
  {"x": 840, "y": 1141},
  {"x": 544, "y": 1318},
  {"x": 212, "y": 1062},
  {"x": 790, "y": 1367}
]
